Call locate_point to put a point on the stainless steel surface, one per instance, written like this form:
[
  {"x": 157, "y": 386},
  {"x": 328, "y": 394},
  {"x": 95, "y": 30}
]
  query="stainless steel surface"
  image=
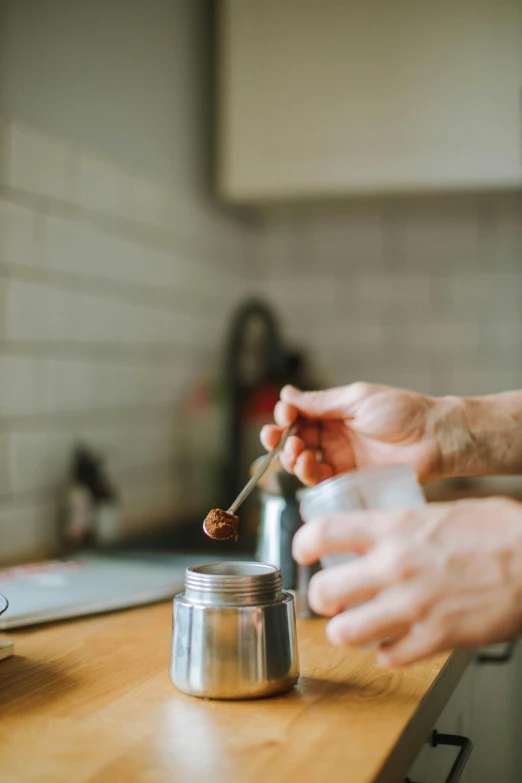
[
  {"x": 272, "y": 545},
  {"x": 234, "y": 633},
  {"x": 279, "y": 521},
  {"x": 263, "y": 466}
]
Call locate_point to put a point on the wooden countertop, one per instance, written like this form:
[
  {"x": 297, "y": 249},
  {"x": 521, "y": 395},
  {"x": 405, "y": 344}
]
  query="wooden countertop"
[{"x": 90, "y": 701}]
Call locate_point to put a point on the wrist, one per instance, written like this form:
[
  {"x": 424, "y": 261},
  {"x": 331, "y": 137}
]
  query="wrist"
[
  {"x": 452, "y": 433},
  {"x": 479, "y": 436}
]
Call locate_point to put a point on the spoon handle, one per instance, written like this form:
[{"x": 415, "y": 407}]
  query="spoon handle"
[{"x": 263, "y": 467}]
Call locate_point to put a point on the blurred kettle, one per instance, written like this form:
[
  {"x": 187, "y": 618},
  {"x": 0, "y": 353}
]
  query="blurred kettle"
[{"x": 278, "y": 493}]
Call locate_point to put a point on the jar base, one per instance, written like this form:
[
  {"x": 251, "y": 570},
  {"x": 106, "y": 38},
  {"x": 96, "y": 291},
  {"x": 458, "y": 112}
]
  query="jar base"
[{"x": 268, "y": 692}]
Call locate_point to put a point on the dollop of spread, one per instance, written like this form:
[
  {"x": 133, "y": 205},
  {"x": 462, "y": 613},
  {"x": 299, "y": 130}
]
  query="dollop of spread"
[{"x": 221, "y": 525}]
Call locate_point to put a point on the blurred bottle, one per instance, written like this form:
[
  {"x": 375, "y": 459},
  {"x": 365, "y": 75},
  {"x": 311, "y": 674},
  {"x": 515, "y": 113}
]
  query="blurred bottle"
[
  {"x": 91, "y": 514},
  {"x": 76, "y": 526}
]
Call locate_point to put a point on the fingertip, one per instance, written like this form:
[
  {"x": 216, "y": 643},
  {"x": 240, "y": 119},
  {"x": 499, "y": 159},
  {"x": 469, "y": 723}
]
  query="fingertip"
[
  {"x": 264, "y": 435},
  {"x": 287, "y": 463},
  {"x": 320, "y": 596},
  {"x": 285, "y": 414},
  {"x": 414, "y": 645},
  {"x": 335, "y": 634},
  {"x": 294, "y": 445},
  {"x": 289, "y": 393},
  {"x": 306, "y": 468},
  {"x": 270, "y": 436},
  {"x": 300, "y": 548},
  {"x": 293, "y": 448},
  {"x": 385, "y": 660}
]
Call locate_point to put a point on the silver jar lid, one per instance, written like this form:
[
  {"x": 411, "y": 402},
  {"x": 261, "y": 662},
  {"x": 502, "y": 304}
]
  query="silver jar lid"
[{"x": 233, "y": 584}]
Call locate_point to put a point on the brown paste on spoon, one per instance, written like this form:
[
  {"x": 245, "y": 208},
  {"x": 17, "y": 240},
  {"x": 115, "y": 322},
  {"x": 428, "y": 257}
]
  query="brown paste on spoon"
[{"x": 221, "y": 524}]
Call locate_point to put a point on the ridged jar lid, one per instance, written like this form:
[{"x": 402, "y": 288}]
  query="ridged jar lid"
[{"x": 233, "y": 584}]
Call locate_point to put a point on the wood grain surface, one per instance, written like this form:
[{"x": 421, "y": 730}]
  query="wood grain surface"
[{"x": 90, "y": 701}]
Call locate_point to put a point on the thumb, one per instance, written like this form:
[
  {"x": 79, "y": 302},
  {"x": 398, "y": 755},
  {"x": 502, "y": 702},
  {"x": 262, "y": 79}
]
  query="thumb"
[{"x": 328, "y": 404}]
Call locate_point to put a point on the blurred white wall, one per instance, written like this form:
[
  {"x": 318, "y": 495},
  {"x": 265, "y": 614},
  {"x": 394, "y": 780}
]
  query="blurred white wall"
[
  {"x": 419, "y": 292},
  {"x": 117, "y": 271},
  {"x": 126, "y": 78}
]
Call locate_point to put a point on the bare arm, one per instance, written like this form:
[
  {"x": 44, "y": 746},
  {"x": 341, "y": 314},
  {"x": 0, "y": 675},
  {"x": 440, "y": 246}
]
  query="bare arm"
[
  {"x": 366, "y": 425},
  {"x": 480, "y": 435}
]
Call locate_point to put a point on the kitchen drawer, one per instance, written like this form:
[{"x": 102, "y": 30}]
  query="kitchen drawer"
[
  {"x": 432, "y": 765},
  {"x": 487, "y": 708}
]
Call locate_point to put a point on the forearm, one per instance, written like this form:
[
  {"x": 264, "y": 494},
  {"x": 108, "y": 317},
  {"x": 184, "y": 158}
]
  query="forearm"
[{"x": 480, "y": 436}]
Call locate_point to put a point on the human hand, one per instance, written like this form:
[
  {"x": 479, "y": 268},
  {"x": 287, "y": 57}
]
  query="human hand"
[
  {"x": 357, "y": 426},
  {"x": 440, "y": 577}
]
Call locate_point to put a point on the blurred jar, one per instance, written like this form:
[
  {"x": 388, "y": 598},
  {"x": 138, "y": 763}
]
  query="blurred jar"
[
  {"x": 279, "y": 520},
  {"x": 392, "y": 487}
]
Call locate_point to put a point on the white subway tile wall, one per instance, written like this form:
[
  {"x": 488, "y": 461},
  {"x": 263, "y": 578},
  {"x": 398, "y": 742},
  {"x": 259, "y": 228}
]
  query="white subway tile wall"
[
  {"x": 37, "y": 163},
  {"x": 115, "y": 291},
  {"x": 114, "y": 295},
  {"x": 422, "y": 292}
]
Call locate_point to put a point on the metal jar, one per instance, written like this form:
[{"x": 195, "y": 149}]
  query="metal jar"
[
  {"x": 278, "y": 493},
  {"x": 234, "y": 632}
]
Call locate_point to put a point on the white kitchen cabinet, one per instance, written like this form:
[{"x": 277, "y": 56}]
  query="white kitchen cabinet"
[
  {"x": 321, "y": 98},
  {"x": 433, "y": 764},
  {"x": 496, "y": 722},
  {"x": 486, "y": 707}
]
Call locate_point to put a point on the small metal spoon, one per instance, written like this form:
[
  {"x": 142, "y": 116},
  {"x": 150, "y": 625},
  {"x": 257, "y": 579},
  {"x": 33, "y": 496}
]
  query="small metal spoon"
[{"x": 261, "y": 470}]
